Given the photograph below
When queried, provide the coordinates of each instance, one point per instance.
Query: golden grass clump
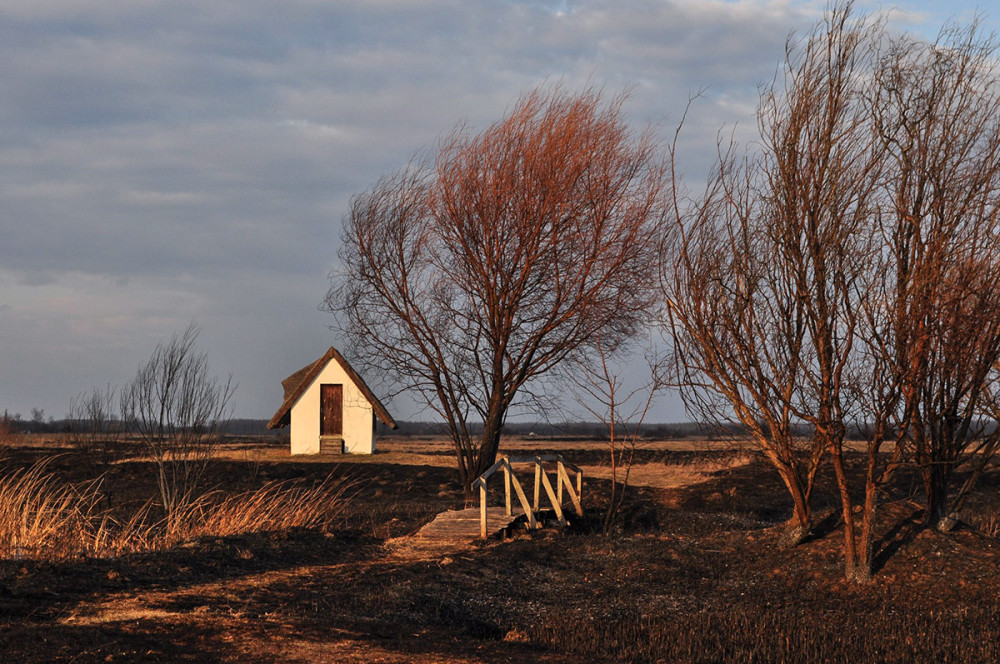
(276, 506)
(988, 525)
(39, 517)
(43, 517)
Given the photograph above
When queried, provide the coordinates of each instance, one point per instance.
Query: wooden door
(331, 410)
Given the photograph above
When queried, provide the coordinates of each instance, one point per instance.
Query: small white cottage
(330, 409)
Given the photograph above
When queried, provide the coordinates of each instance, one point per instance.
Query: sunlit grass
(276, 506)
(42, 517)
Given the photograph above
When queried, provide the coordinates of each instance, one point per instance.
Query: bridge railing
(564, 486)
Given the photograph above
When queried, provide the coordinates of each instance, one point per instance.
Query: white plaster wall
(359, 436)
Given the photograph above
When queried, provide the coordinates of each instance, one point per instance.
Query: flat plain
(694, 571)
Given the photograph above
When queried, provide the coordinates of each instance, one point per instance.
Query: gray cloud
(163, 160)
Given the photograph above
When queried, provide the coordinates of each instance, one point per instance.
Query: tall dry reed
(276, 506)
(43, 517)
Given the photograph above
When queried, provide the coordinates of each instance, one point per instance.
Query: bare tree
(601, 390)
(177, 410)
(769, 266)
(738, 333)
(95, 432)
(820, 168)
(847, 273)
(937, 113)
(469, 279)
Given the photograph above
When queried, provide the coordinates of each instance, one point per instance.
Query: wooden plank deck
(461, 526)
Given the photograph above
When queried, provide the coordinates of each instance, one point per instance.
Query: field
(694, 573)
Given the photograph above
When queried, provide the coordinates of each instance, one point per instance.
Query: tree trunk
(479, 461)
(847, 512)
(488, 447)
(939, 516)
(798, 527)
(865, 565)
(466, 468)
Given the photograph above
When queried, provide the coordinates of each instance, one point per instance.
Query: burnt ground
(693, 574)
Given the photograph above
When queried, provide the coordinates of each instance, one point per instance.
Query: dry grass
(988, 525)
(670, 476)
(43, 517)
(276, 506)
(40, 517)
(695, 574)
(518, 445)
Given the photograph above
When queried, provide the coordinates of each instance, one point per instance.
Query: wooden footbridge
(461, 526)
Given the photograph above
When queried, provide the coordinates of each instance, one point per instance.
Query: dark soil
(692, 575)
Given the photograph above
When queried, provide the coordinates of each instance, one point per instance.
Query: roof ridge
(299, 381)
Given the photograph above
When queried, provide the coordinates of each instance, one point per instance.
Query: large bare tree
(769, 264)
(467, 277)
(738, 335)
(821, 168)
(937, 114)
(843, 274)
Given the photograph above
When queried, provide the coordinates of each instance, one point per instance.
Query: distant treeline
(553, 430)
(655, 431)
(234, 427)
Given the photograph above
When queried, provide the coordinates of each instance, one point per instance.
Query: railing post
(561, 470)
(579, 490)
(552, 499)
(530, 513)
(577, 495)
(506, 485)
(482, 510)
(538, 482)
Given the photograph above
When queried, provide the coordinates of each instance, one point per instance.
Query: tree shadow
(826, 525)
(903, 532)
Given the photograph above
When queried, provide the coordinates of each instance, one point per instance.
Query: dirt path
(266, 617)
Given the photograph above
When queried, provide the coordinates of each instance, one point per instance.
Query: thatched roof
(297, 383)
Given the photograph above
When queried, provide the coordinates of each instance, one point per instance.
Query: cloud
(168, 159)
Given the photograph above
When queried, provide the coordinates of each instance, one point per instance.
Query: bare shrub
(600, 389)
(178, 411)
(8, 432)
(95, 426)
(96, 435)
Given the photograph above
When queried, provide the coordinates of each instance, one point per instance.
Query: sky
(170, 161)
